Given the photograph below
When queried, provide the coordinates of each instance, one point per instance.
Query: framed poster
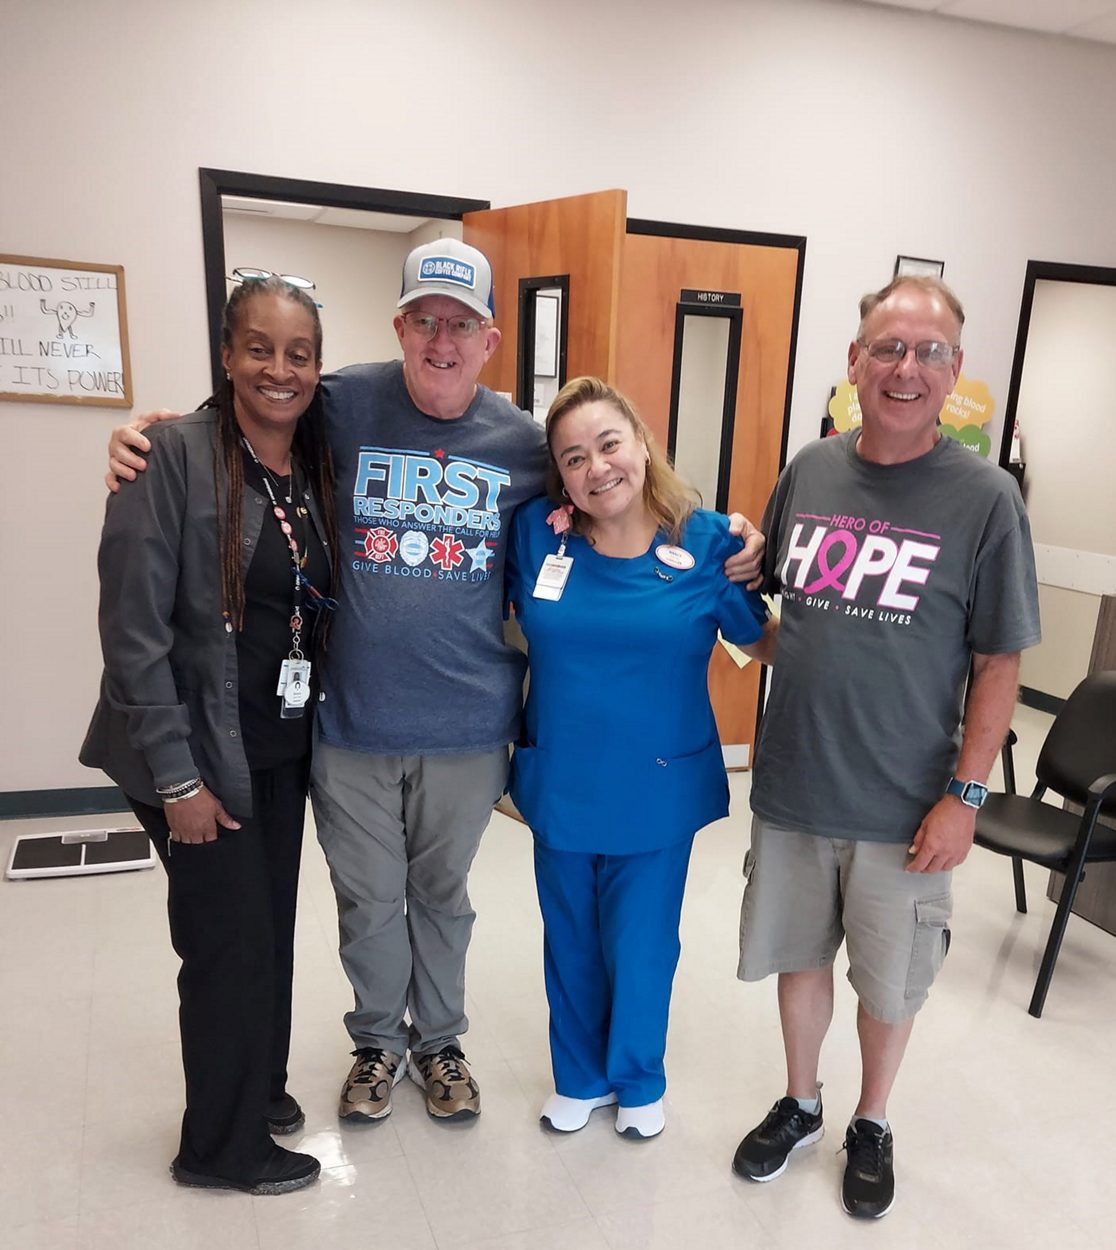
(918, 267)
(63, 333)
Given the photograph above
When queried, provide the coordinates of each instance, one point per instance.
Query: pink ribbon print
(831, 573)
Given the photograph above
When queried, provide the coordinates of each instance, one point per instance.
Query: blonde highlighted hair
(667, 497)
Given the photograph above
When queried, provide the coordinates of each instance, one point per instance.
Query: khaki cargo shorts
(806, 894)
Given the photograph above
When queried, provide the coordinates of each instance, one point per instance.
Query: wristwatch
(971, 793)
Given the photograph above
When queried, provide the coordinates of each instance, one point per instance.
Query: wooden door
(765, 271)
(579, 237)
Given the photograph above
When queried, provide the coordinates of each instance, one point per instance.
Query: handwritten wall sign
(63, 333)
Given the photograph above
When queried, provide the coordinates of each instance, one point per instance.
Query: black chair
(1077, 761)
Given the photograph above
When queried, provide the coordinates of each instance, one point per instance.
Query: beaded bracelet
(180, 790)
(196, 789)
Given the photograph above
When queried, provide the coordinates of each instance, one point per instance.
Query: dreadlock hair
(309, 447)
(668, 498)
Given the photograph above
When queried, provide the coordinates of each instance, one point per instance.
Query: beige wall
(1069, 620)
(872, 131)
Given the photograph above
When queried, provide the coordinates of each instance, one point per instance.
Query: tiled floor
(1002, 1122)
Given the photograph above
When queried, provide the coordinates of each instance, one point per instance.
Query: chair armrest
(1007, 761)
(1102, 787)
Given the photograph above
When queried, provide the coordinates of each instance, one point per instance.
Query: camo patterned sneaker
(366, 1094)
(451, 1092)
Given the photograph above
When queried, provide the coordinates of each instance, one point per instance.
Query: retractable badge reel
(294, 676)
(555, 569)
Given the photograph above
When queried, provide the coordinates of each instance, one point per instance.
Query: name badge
(674, 557)
(551, 580)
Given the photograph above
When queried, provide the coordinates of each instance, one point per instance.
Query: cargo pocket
(749, 863)
(745, 902)
(930, 944)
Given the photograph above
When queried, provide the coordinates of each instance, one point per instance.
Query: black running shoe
(764, 1153)
(284, 1116)
(868, 1190)
(283, 1172)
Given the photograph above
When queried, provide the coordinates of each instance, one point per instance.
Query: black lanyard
(292, 543)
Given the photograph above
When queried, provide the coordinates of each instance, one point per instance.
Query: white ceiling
(354, 218)
(1082, 19)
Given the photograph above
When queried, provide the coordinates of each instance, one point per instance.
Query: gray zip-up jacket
(168, 709)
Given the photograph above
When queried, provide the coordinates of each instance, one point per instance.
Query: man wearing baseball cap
(420, 694)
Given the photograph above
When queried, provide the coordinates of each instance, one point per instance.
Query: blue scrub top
(620, 752)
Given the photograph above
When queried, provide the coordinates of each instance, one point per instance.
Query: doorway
(298, 217)
(1066, 458)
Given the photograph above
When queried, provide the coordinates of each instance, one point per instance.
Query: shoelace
(370, 1060)
(866, 1155)
(449, 1061)
(780, 1117)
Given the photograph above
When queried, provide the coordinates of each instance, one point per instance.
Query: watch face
(974, 794)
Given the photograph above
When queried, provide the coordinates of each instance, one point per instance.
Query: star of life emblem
(447, 552)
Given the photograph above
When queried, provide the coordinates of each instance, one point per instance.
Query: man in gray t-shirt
(902, 559)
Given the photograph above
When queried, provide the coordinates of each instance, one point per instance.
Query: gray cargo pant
(399, 834)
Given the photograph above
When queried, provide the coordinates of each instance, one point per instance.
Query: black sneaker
(868, 1190)
(283, 1172)
(764, 1153)
(284, 1116)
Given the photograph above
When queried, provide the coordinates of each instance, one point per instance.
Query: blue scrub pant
(610, 947)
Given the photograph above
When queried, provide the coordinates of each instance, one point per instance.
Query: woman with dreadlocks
(215, 568)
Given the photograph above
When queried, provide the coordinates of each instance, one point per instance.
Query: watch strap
(971, 793)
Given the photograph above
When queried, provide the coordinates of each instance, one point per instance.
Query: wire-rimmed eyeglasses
(247, 274)
(930, 352)
(457, 327)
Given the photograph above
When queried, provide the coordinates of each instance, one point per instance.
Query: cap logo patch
(447, 269)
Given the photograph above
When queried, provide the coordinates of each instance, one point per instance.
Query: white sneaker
(567, 1115)
(640, 1122)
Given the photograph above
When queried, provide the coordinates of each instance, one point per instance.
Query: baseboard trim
(82, 801)
(1040, 700)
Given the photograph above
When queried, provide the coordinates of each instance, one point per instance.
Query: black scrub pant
(231, 905)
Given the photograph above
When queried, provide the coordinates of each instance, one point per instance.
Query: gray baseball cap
(449, 267)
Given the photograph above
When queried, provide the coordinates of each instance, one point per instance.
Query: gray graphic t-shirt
(416, 662)
(891, 576)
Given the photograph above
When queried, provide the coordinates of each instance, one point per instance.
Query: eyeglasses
(261, 275)
(931, 353)
(458, 328)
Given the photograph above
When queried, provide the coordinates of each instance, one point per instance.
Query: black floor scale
(79, 852)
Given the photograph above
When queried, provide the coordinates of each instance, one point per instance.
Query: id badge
(552, 577)
(296, 692)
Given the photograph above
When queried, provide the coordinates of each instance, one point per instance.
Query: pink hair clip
(559, 519)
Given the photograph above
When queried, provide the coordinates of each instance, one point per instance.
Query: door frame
(735, 317)
(214, 183)
(1040, 271)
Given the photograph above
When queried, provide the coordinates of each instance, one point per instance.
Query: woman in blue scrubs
(620, 763)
